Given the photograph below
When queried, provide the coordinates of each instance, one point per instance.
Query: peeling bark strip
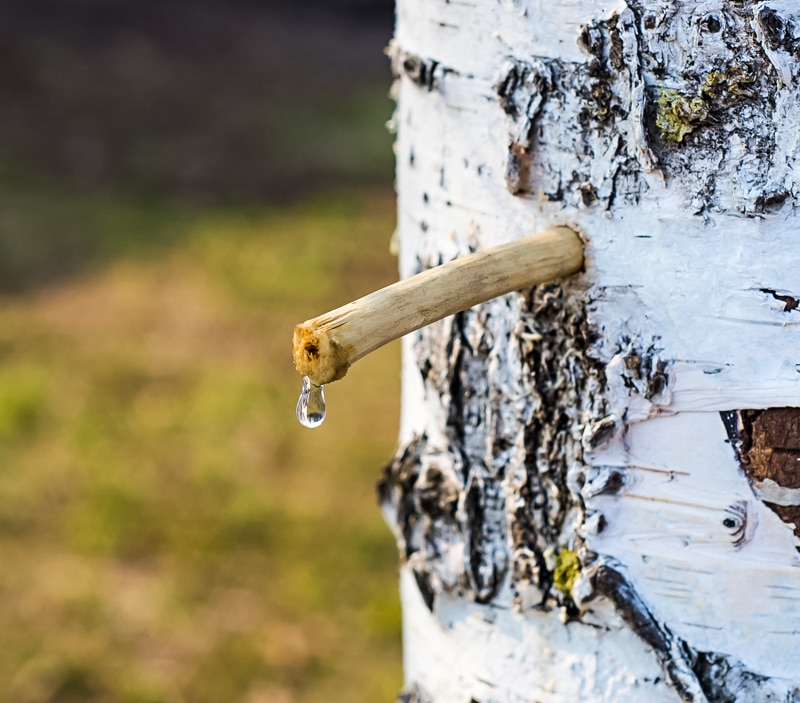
(596, 495)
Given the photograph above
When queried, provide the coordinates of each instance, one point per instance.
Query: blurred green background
(181, 183)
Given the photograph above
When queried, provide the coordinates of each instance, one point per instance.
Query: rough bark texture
(597, 490)
(497, 491)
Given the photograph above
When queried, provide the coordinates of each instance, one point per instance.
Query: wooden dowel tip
(317, 356)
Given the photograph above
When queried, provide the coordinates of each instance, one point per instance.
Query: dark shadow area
(119, 106)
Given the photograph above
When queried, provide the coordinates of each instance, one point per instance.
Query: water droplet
(311, 405)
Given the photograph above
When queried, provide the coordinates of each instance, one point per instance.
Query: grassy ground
(169, 532)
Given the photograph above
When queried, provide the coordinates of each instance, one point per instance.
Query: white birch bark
(640, 416)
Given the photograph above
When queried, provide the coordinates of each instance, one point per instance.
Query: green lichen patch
(568, 566)
(678, 114)
(726, 86)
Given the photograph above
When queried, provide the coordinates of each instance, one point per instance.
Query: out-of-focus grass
(168, 531)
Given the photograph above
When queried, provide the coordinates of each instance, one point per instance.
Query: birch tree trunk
(597, 492)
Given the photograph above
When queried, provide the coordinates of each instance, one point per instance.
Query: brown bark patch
(768, 445)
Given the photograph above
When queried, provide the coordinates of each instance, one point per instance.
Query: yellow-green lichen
(724, 86)
(568, 566)
(678, 114)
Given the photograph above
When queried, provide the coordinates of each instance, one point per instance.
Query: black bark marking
(720, 679)
(770, 202)
(396, 488)
(730, 419)
(710, 24)
(413, 693)
(419, 71)
(425, 369)
(615, 51)
(528, 565)
(607, 581)
(457, 348)
(724, 681)
(588, 194)
(736, 521)
(522, 92)
(518, 169)
(602, 40)
(423, 579)
(789, 301)
(422, 487)
(505, 91)
(613, 482)
(658, 381)
(778, 32)
(483, 568)
(424, 72)
(546, 458)
(645, 373)
(438, 496)
(598, 434)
